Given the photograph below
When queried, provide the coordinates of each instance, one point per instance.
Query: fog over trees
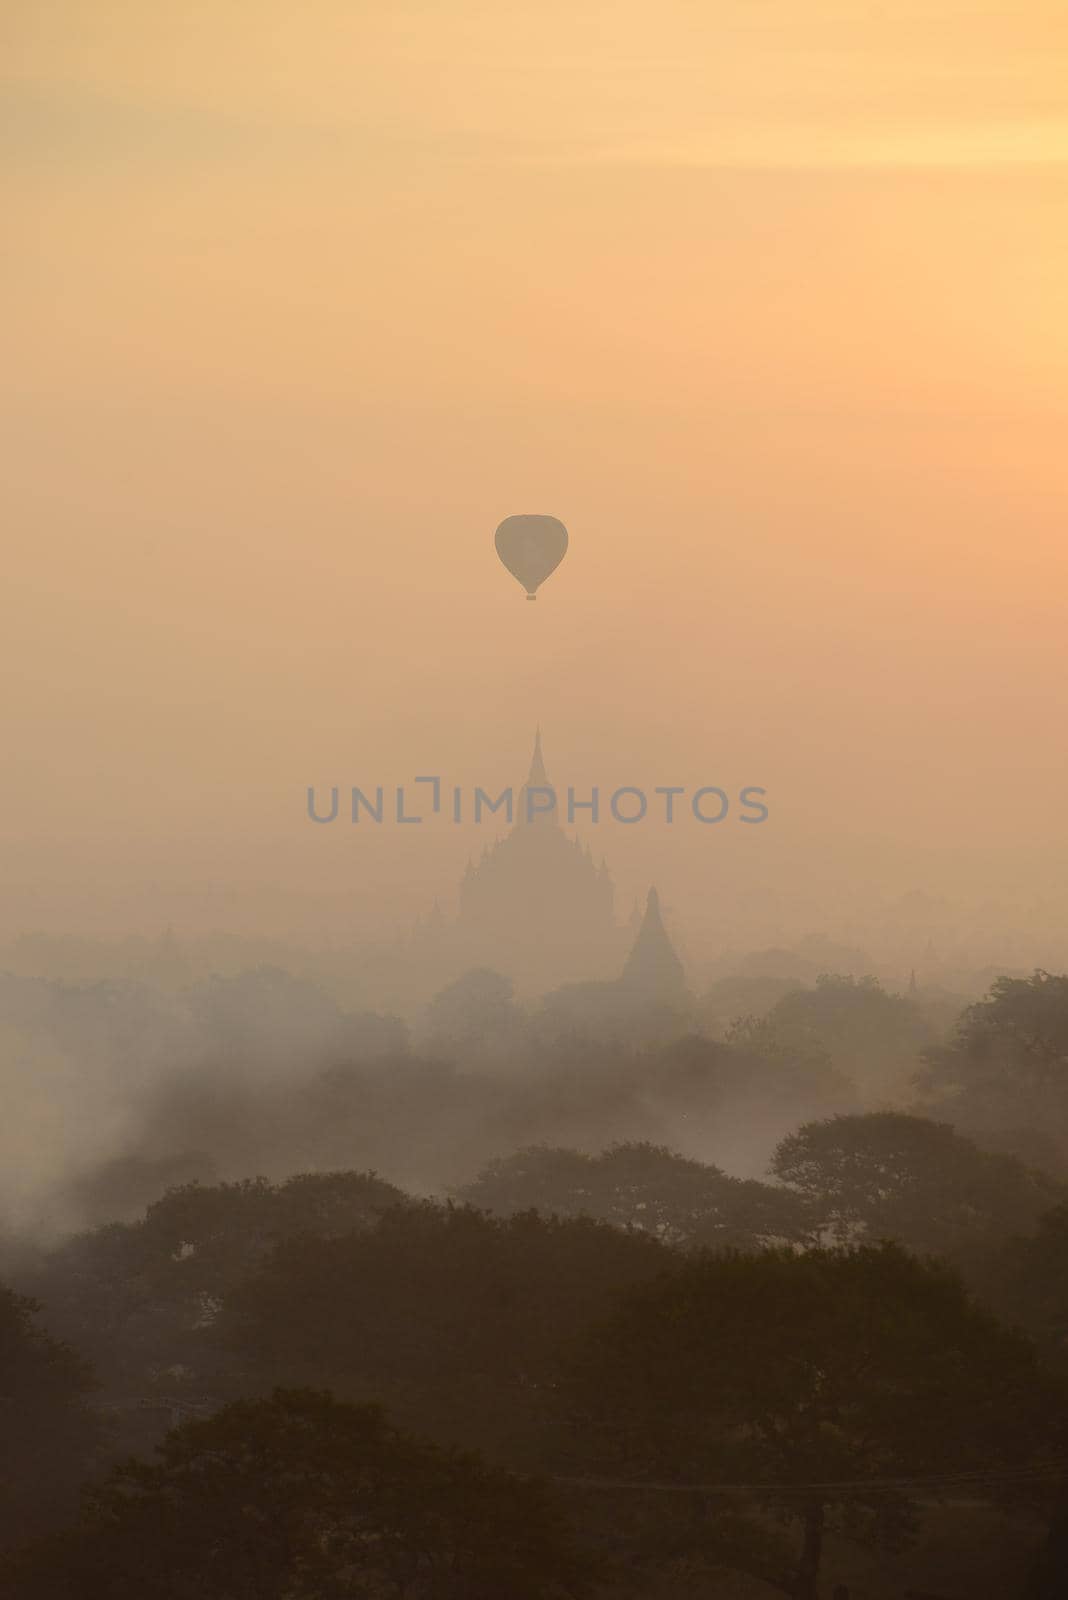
(635, 1287)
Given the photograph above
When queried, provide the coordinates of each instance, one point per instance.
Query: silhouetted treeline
(602, 1366)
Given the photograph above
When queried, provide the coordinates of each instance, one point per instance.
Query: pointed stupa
(537, 772)
(653, 968)
(537, 778)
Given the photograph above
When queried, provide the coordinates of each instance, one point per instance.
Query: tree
(300, 1497)
(728, 999)
(591, 1009)
(473, 1013)
(872, 1037)
(454, 1319)
(742, 1090)
(228, 1226)
(1048, 1577)
(48, 1434)
(641, 1186)
(134, 1295)
(1026, 1281)
(817, 1376)
(893, 1176)
(1007, 1066)
(267, 1016)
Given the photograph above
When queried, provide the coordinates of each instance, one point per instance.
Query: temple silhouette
(652, 970)
(536, 906)
(539, 910)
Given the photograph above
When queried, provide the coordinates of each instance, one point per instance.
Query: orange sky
(764, 300)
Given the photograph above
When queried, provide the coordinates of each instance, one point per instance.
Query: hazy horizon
(765, 305)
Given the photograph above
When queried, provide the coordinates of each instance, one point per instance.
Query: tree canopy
(132, 1294)
(827, 1377)
(873, 1038)
(642, 1186)
(1006, 1069)
(888, 1175)
(456, 1320)
(301, 1497)
(48, 1435)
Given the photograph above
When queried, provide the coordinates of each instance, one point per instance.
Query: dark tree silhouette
(1026, 1281)
(821, 1374)
(48, 1435)
(641, 1186)
(300, 1497)
(134, 1295)
(455, 1319)
(1006, 1071)
(892, 1176)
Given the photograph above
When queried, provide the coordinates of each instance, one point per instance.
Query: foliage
(300, 1497)
(48, 1435)
(454, 1318)
(132, 1294)
(1026, 1281)
(642, 1186)
(741, 995)
(1007, 1066)
(805, 1371)
(475, 1011)
(872, 1037)
(887, 1175)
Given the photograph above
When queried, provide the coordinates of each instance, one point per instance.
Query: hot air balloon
(531, 547)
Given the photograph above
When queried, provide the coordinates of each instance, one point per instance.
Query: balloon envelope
(531, 547)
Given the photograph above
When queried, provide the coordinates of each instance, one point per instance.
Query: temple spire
(537, 778)
(537, 775)
(653, 968)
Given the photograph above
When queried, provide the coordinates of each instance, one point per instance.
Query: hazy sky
(765, 299)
